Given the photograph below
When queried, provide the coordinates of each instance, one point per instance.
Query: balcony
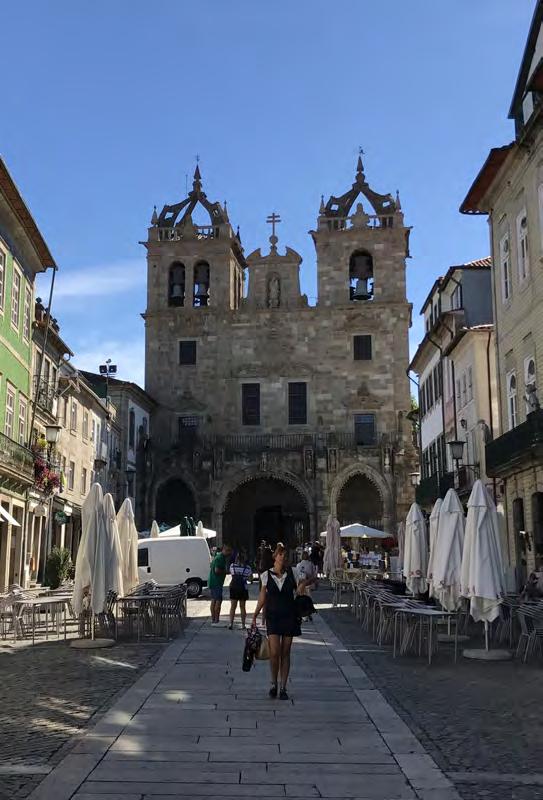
(258, 442)
(46, 394)
(517, 449)
(429, 489)
(16, 460)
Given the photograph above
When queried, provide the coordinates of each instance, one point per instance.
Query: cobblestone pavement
(49, 693)
(472, 717)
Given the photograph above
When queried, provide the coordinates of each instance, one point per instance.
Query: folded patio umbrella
(401, 542)
(155, 530)
(114, 574)
(332, 552)
(447, 558)
(482, 575)
(90, 564)
(128, 537)
(434, 526)
(415, 563)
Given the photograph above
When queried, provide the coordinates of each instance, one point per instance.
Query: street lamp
(415, 478)
(52, 434)
(456, 447)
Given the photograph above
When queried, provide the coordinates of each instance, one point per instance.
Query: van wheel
(194, 588)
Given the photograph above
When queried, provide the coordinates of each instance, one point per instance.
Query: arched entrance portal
(359, 500)
(265, 508)
(174, 501)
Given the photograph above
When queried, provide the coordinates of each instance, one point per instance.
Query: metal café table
(48, 603)
(422, 615)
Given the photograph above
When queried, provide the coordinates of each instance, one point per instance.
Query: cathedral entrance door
(265, 508)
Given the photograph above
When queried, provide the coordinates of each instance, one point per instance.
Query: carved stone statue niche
(274, 292)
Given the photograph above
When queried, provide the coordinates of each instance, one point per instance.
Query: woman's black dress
(281, 617)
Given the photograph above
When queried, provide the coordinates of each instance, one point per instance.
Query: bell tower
(361, 254)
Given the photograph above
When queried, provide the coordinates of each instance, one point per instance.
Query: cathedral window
(201, 285)
(187, 352)
(176, 285)
(250, 403)
(362, 348)
(365, 433)
(361, 276)
(297, 403)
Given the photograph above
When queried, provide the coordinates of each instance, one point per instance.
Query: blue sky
(105, 105)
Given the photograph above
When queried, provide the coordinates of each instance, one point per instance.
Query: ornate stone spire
(154, 218)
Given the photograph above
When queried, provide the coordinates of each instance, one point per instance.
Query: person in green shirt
(217, 574)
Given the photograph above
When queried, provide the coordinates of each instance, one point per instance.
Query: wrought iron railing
(16, 457)
(45, 393)
(258, 442)
(432, 487)
(517, 445)
(176, 234)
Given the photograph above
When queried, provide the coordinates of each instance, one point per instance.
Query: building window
(297, 404)
(364, 429)
(529, 381)
(2, 278)
(93, 430)
(22, 420)
(522, 246)
(83, 481)
(188, 426)
(187, 352)
(15, 298)
(505, 266)
(73, 417)
(456, 298)
(10, 411)
(71, 475)
(131, 428)
(512, 400)
(470, 383)
(361, 276)
(464, 390)
(250, 404)
(201, 285)
(362, 348)
(85, 424)
(26, 314)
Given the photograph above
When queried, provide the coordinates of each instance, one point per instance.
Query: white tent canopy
(204, 533)
(359, 531)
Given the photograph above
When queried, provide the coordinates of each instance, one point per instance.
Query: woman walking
(240, 571)
(280, 584)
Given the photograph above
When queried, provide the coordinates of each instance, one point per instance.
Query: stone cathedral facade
(273, 413)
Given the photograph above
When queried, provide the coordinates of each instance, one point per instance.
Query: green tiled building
(23, 253)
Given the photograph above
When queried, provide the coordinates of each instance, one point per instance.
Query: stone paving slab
(200, 727)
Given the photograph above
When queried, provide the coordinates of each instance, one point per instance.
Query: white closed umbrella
(415, 563)
(482, 565)
(332, 551)
(447, 557)
(114, 576)
(128, 536)
(155, 530)
(434, 526)
(90, 563)
(200, 530)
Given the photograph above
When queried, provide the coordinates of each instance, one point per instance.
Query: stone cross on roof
(273, 219)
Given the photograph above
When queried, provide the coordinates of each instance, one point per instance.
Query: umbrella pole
(486, 636)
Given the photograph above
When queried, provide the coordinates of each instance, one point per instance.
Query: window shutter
(297, 403)
(537, 520)
(362, 348)
(250, 404)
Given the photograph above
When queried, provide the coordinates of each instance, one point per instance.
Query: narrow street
(195, 725)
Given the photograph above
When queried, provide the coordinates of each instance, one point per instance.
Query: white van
(175, 559)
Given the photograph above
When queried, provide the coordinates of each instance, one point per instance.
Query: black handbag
(304, 606)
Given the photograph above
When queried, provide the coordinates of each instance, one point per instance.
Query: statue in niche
(274, 292)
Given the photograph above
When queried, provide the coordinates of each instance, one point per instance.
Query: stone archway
(361, 494)
(265, 507)
(174, 500)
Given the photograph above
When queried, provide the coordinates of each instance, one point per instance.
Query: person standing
(280, 585)
(217, 574)
(241, 571)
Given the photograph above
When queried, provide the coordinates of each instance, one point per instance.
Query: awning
(7, 516)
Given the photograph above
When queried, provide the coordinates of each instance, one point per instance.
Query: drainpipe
(453, 374)
(490, 416)
(419, 437)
